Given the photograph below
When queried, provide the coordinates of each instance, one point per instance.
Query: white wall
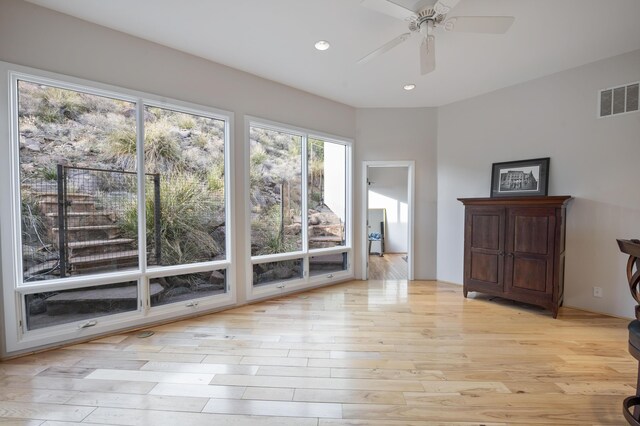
(403, 134)
(595, 160)
(388, 190)
(335, 173)
(37, 37)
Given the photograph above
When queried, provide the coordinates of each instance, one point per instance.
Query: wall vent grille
(619, 100)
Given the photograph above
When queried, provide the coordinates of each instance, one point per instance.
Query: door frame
(364, 253)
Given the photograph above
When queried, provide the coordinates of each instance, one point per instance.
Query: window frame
(14, 289)
(307, 281)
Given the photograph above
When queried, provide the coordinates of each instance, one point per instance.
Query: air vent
(619, 100)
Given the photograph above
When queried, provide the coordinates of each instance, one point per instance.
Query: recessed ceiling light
(408, 87)
(322, 45)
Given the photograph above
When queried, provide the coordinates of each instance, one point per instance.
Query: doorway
(387, 218)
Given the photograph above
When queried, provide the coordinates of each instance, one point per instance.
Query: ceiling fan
(425, 19)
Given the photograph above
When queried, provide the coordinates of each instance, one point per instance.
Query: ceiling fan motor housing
(425, 21)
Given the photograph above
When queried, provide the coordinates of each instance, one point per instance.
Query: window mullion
(143, 289)
(305, 193)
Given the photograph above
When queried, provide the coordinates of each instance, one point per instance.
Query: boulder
(216, 277)
(277, 274)
(37, 306)
(209, 287)
(293, 229)
(177, 291)
(314, 219)
(32, 145)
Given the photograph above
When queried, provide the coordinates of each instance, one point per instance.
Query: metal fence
(91, 216)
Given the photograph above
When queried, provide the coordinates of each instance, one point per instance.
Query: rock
(37, 306)
(33, 253)
(284, 273)
(314, 220)
(32, 145)
(216, 277)
(277, 274)
(209, 287)
(177, 291)
(28, 168)
(293, 229)
(218, 236)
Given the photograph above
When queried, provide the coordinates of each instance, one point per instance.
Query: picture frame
(521, 178)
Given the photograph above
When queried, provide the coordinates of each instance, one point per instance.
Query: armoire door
(529, 251)
(484, 248)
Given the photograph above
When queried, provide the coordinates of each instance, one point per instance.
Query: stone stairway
(325, 235)
(93, 241)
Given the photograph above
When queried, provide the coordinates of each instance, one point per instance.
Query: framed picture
(520, 178)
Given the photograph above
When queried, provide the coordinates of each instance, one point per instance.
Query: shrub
(161, 148)
(56, 105)
(215, 179)
(184, 121)
(200, 140)
(34, 228)
(48, 172)
(189, 214)
(268, 235)
(121, 147)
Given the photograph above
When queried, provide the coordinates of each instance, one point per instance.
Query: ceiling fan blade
(479, 24)
(389, 8)
(427, 55)
(442, 7)
(384, 48)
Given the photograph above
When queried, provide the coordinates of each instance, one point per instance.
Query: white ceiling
(274, 39)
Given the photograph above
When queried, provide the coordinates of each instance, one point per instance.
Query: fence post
(281, 235)
(156, 216)
(62, 249)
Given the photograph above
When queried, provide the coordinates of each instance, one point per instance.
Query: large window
(291, 244)
(120, 208)
(327, 186)
(184, 157)
(75, 192)
(275, 195)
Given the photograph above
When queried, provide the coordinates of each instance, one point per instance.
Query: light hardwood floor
(361, 353)
(391, 266)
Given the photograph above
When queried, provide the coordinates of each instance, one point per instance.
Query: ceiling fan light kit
(425, 21)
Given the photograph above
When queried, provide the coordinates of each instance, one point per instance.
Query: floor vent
(619, 100)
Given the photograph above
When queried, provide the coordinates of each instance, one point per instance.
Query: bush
(189, 214)
(185, 121)
(121, 148)
(215, 179)
(48, 172)
(34, 228)
(268, 235)
(57, 105)
(161, 148)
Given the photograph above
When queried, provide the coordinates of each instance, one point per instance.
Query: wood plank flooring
(391, 266)
(381, 353)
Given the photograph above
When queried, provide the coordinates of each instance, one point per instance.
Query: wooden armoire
(514, 248)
